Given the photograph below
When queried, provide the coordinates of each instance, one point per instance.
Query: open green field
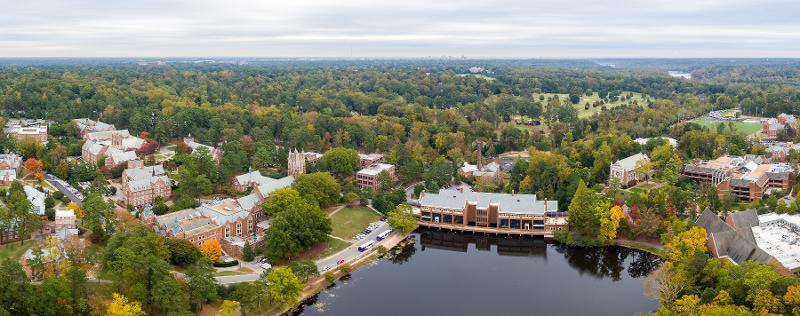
(350, 221)
(582, 112)
(745, 128)
(13, 250)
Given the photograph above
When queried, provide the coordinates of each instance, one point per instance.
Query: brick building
(368, 177)
(141, 185)
(746, 178)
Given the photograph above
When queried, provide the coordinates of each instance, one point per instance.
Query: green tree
(304, 269)
(98, 216)
(319, 186)
(20, 215)
(182, 252)
(280, 200)
(581, 214)
(285, 287)
(297, 228)
(247, 252)
(234, 160)
(201, 284)
(402, 219)
(16, 292)
(343, 162)
(440, 172)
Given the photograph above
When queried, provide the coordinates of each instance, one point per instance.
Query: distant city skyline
(401, 29)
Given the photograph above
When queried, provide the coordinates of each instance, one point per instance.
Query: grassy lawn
(745, 128)
(242, 270)
(14, 250)
(350, 221)
(582, 112)
(333, 246)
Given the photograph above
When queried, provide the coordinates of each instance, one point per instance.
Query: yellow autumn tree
(121, 306)
(211, 250)
(686, 244)
(609, 221)
(792, 298)
(229, 308)
(75, 208)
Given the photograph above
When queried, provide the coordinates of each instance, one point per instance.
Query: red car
(340, 262)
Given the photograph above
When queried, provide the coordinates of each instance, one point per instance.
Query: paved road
(62, 186)
(351, 252)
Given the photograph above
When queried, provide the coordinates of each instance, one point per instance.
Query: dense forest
(428, 117)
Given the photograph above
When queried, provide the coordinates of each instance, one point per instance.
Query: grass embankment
(350, 221)
(14, 250)
(240, 271)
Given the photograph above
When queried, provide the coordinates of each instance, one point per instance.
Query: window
(227, 231)
(250, 224)
(239, 228)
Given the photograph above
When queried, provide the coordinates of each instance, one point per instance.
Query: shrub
(330, 277)
(226, 264)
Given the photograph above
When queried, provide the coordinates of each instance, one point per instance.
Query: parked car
(326, 268)
(341, 261)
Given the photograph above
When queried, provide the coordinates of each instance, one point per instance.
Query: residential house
(36, 198)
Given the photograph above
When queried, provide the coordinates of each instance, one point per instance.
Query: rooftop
(779, 235)
(507, 203)
(375, 169)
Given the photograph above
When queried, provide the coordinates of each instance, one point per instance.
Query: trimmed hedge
(226, 264)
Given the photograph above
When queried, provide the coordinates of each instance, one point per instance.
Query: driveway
(63, 186)
(351, 253)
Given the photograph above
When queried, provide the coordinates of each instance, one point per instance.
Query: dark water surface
(448, 273)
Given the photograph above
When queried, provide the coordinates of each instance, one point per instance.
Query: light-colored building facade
(296, 163)
(86, 126)
(748, 177)
(36, 198)
(368, 177)
(65, 219)
(27, 129)
(625, 169)
(118, 146)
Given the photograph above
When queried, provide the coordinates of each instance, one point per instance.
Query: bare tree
(665, 284)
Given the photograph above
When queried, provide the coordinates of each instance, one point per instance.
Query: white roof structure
(506, 203)
(642, 141)
(89, 125)
(140, 179)
(8, 175)
(37, 199)
(65, 214)
(269, 184)
(630, 162)
(779, 236)
(375, 169)
(119, 156)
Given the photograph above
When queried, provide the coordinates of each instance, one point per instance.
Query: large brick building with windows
(141, 185)
(747, 178)
(368, 177)
(227, 221)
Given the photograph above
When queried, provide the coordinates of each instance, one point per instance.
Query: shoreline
(317, 285)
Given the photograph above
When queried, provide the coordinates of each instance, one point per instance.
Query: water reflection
(490, 275)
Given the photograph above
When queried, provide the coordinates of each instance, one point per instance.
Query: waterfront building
(368, 177)
(625, 169)
(462, 209)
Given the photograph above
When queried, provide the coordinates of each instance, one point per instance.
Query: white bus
(366, 245)
(384, 234)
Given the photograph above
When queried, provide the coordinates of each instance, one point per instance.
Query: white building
(624, 169)
(779, 236)
(37, 199)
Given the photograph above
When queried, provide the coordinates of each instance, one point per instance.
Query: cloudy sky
(400, 28)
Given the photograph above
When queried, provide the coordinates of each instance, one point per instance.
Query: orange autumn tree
(211, 250)
(34, 166)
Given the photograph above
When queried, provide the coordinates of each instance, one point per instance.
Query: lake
(447, 273)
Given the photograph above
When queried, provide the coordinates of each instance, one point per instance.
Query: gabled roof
(629, 163)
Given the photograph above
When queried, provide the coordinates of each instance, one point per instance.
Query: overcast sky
(400, 28)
